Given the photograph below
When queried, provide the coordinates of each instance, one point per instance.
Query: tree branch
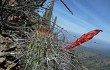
(66, 6)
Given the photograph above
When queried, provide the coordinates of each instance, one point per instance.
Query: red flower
(84, 38)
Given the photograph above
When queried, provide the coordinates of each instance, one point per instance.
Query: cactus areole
(84, 38)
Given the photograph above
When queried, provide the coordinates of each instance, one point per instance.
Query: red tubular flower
(84, 38)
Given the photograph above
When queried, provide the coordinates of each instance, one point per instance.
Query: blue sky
(88, 15)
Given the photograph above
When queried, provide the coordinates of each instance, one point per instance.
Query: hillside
(92, 59)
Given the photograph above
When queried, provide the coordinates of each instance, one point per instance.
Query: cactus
(31, 49)
(48, 13)
(54, 23)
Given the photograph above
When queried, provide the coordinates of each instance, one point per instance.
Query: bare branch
(66, 6)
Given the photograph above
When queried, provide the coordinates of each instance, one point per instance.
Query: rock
(3, 53)
(11, 66)
(5, 43)
(2, 60)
